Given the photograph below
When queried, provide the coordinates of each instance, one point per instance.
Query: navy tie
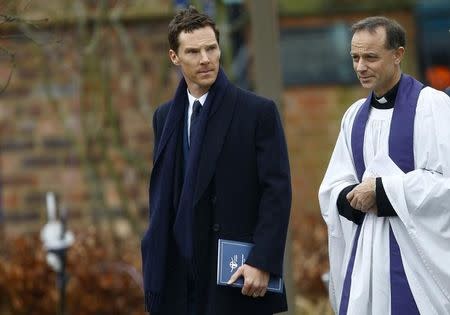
(196, 109)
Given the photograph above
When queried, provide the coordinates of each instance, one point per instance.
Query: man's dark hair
(188, 20)
(395, 34)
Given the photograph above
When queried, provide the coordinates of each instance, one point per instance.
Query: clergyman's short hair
(395, 34)
(188, 20)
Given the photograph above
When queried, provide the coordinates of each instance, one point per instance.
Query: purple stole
(401, 151)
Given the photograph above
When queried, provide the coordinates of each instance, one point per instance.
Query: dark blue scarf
(154, 245)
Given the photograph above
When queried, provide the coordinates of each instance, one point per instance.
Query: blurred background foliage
(103, 279)
(322, 6)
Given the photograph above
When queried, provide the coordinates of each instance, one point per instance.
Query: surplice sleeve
(421, 198)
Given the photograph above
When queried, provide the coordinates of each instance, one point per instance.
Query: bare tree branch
(12, 18)
(26, 5)
(13, 65)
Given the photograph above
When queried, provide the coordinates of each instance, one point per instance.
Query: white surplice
(421, 199)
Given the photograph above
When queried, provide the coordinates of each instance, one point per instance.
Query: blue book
(230, 256)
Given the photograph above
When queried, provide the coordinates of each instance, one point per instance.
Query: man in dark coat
(220, 171)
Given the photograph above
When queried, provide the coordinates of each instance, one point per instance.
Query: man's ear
(398, 55)
(174, 57)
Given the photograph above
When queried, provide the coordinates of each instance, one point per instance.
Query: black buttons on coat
(216, 227)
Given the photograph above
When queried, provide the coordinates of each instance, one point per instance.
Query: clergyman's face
(198, 56)
(377, 67)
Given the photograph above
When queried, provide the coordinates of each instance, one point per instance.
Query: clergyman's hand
(363, 197)
(255, 280)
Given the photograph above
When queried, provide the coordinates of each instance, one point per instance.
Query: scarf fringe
(194, 271)
(152, 302)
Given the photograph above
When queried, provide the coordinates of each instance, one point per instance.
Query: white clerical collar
(382, 100)
(192, 99)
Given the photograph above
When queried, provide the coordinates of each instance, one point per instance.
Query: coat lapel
(178, 175)
(222, 108)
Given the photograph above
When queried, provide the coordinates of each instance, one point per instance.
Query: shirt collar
(192, 99)
(387, 100)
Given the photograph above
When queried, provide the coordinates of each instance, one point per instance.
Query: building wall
(75, 119)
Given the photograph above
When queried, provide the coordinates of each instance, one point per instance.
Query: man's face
(377, 67)
(198, 56)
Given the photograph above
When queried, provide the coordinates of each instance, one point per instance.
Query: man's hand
(255, 280)
(363, 197)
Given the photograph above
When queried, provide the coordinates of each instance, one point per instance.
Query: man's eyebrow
(364, 54)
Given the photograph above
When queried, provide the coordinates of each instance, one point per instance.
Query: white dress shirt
(192, 99)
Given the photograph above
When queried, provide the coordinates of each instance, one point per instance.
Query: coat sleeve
(156, 134)
(275, 192)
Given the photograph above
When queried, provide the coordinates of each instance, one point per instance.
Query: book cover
(230, 256)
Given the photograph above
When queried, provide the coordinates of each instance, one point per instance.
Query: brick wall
(76, 120)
